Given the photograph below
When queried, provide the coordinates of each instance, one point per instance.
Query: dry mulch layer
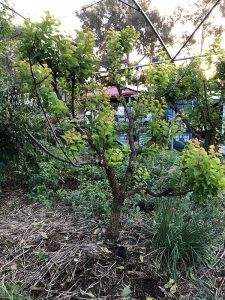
(56, 254)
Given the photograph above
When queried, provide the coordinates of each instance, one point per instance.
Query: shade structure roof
(113, 92)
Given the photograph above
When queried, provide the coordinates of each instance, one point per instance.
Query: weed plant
(44, 183)
(11, 291)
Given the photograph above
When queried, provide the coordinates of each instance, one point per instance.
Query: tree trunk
(114, 224)
(210, 136)
(117, 204)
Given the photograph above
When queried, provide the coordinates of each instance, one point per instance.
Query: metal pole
(152, 27)
(193, 33)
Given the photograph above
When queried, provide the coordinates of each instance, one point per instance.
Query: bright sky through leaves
(65, 9)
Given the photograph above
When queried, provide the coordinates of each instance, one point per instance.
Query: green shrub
(11, 291)
(182, 236)
(2, 173)
(49, 174)
(92, 197)
(42, 194)
(22, 166)
(43, 184)
(203, 172)
(91, 173)
(163, 169)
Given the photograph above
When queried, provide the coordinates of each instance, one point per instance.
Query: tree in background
(115, 15)
(189, 18)
(109, 14)
(202, 97)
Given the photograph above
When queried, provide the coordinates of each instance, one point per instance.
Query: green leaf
(87, 294)
(120, 267)
(126, 291)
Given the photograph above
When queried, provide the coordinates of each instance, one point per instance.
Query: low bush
(44, 183)
(204, 172)
(162, 168)
(92, 198)
(2, 174)
(183, 236)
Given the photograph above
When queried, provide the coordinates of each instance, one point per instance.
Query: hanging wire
(13, 10)
(88, 6)
(140, 9)
(196, 29)
(159, 62)
(131, 6)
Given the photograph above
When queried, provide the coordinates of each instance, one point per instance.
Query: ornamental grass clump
(182, 237)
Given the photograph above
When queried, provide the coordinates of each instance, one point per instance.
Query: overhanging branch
(44, 149)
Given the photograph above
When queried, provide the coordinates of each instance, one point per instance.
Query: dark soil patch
(70, 183)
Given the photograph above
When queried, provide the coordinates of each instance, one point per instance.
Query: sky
(65, 10)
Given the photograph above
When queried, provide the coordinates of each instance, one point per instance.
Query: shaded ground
(56, 254)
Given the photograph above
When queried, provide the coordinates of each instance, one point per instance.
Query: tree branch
(73, 95)
(54, 84)
(38, 95)
(184, 120)
(44, 149)
(166, 193)
(133, 156)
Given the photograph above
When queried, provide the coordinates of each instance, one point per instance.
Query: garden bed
(57, 254)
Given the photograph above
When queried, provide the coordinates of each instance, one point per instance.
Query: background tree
(9, 90)
(17, 111)
(202, 97)
(113, 14)
(107, 15)
(189, 17)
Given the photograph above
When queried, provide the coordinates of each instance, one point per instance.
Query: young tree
(59, 65)
(61, 75)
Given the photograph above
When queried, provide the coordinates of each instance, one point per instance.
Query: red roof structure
(113, 92)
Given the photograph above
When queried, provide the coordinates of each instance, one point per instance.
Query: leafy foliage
(91, 198)
(44, 183)
(203, 172)
(10, 291)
